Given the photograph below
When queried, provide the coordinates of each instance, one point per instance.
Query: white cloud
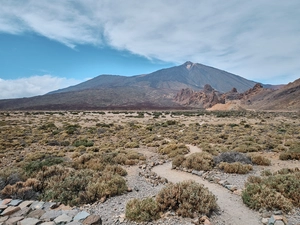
(256, 39)
(32, 86)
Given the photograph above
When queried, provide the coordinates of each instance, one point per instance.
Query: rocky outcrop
(200, 99)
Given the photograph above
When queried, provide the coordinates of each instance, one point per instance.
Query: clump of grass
(260, 160)
(173, 150)
(273, 192)
(292, 154)
(83, 142)
(198, 161)
(236, 167)
(144, 210)
(187, 199)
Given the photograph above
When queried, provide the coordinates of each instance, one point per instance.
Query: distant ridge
(156, 90)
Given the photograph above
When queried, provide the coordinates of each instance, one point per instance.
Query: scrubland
(81, 157)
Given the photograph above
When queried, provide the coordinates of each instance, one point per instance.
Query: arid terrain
(245, 163)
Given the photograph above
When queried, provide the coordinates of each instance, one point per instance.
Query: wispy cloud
(32, 86)
(256, 39)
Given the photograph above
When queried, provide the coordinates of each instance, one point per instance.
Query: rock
(63, 219)
(25, 204)
(51, 215)
(37, 205)
(231, 187)
(74, 223)
(103, 199)
(136, 188)
(48, 223)
(13, 220)
(2, 207)
(93, 220)
(22, 212)
(63, 207)
(265, 221)
(81, 216)
(50, 205)
(70, 213)
(3, 219)
(238, 192)
(266, 214)
(15, 202)
(278, 212)
(129, 189)
(29, 221)
(6, 201)
(279, 222)
(36, 213)
(10, 210)
(207, 222)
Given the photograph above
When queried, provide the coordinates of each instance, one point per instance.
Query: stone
(103, 199)
(50, 205)
(13, 220)
(3, 219)
(81, 216)
(15, 202)
(70, 213)
(136, 188)
(37, 205)
(207, 222)
(276, 217)
(265, 221)
(36, 213)
(63, 207)
(266, 214)
(129, 189)
(6, 201)
(271, 220)
(21, 212)
(278, 212)
(238, 192)
(29, 221)
(48, 223)
(122, 218)
(279, 222)
(25, 204)
(2, 207)
(10, 210)
(93, 220)
(231, 187)
(74, 223)
(51, 215)
(63, 219)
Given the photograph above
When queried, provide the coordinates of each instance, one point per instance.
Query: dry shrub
(11, 176)
(132, 145)
(187, 199)
(277, 191)
(235, 167)
(260, 160)
(292, 154)
(22, 190)
(198, 161)
(144, 210)
(173, 150)
(177, 161)
(115, 169)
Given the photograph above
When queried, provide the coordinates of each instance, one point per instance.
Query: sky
(48, 45)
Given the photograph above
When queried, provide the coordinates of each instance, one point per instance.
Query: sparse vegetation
(236, 167)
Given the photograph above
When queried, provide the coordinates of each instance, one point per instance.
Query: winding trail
(234, 212)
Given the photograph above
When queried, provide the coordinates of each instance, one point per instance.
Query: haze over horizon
(45, 46)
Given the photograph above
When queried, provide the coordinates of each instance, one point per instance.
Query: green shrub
(235, 167)
(35, 166)
(292, 154)
(144, 210)
(186, 199)
(83, 142)
(177, 161)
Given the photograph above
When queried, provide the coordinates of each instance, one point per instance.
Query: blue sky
(47, 45)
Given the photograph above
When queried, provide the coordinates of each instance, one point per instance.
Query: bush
(260, 160)
(84, 143)
(235, 167)
(142, 210)
(278, 191)
(173, 150)
(292, 154)
(231, 157)
(186, 199)
(198, 161)
(36, 166)
(177, 161)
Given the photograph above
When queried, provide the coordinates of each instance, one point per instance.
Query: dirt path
(234, 212)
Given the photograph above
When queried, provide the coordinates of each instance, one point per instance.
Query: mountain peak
(189, 64)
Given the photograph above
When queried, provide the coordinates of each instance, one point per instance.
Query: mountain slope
(285, 98)
(188, 75)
